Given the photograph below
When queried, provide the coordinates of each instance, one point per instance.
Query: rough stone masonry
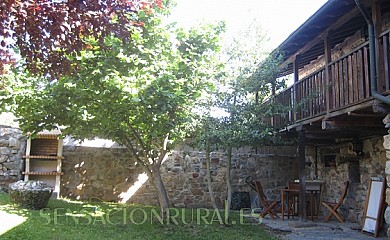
(12, 147)
(106, 173)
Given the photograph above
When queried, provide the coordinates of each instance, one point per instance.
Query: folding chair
(292, 199)
(269, 206)
(332, 206)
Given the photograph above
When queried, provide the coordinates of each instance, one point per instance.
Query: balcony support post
(302, 174)
(328, 77)
(295, 90)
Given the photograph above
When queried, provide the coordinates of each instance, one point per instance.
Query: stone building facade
(386, 145)
(339, 163)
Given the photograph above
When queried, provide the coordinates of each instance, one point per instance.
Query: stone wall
(96, 173)
(106, 173)
(349, 166)
(12, 147)
(386, 144)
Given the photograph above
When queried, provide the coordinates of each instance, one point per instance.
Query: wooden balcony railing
(348, 84)
(284, 98)
(349, 79)
(310, 96)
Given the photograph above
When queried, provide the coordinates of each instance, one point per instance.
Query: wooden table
(314, 193)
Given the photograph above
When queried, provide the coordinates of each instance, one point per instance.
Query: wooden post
(273, 94)
(27, 163)
(377, 21)
(295, 93)
(328, 59)
(302, 175)
(59, 166)
(292, 111)
(316, 163)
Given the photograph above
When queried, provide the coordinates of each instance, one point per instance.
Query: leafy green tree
(245, 99)
(230, 135)
(207, 138)
(6, 83)
(250, 76)
(141, 94)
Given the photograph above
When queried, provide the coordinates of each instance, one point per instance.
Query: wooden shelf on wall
(43, 157)
(43, 173)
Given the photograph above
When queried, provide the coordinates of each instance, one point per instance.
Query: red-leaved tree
(45, 31)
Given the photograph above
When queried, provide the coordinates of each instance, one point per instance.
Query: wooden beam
(27, 163)
(305, 122)
(368, 102)
(328, 59)
(317, 142)
(330, 135)
(295, 93)
(363, 114)
(322, 35)
(347, 132)
(309, 128)
(329, 125)
(316, 132)
(317, 123)
(356, 122)
(377, 22)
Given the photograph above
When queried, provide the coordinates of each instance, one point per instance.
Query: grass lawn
(63, 219)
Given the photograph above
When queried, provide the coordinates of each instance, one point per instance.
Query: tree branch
(137, 136)
(130, 148)
(164, 151)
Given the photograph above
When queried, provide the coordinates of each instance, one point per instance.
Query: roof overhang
(337, 19)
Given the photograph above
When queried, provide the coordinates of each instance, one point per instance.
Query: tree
(46, 31)
(230, 135)
(207, 138)
(6, 83)
(252, 73)
(250, 76)
(141, 94)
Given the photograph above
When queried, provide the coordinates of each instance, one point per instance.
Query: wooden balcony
(341, 88)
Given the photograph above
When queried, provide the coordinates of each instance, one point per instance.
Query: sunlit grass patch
(64, 219)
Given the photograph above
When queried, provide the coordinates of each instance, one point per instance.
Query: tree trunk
(153, 172)
(228, 184)
(161, 191)
(210, 187)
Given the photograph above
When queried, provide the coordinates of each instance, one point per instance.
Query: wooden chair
(269, 206)
(292, 199)
(332, 206)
